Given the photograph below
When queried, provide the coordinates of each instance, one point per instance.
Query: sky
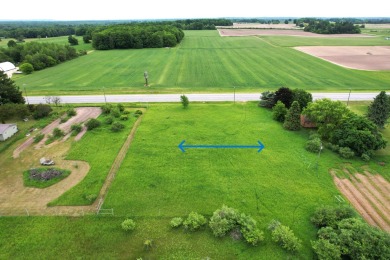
(179, 9)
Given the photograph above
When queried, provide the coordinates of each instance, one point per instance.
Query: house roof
(6, 66)
(4, 127)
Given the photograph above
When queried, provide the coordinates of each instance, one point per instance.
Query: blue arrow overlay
(183, 146)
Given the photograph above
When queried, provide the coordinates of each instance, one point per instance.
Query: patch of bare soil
(83, 114)
(354, 57)
(261, 26)
(369, 196)
(290, 32)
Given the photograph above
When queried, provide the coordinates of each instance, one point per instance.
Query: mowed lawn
(158, 181)
(205, 62)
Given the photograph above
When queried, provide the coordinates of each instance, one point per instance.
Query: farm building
(7, 130)
(8, 68)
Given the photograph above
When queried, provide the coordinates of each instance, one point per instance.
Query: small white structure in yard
(8, 68)
(7, 130)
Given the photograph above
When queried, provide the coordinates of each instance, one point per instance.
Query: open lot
(156, 181)
(356, 57)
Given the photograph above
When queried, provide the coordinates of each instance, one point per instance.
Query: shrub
(279, 111)
(329, 216)
(108, 120)
(194, 221)
(91, 197)
(26, 68)
(223, 221)
(138, 112)
(285, 237)
(64, 119)
(253, 236)
(303, 97)
(116, 127)
(71, 112)
(115, 113)
(176, 222)
(121, 107)
(365, 157)
(128, 225)
(76, 128)
(92, 123)
(346, 152)
(267, 99)
(184, 101)
(106, 108)
(124, 117)
(249, 230)
(41, 111)
(126, 112)
(313, 145)
(38, 137)
(57, 133)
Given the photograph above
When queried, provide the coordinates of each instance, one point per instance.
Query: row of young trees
(38, 55)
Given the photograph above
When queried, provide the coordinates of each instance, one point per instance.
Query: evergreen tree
(379, 109)
(292, 121)
(285, 95)
(9, 92)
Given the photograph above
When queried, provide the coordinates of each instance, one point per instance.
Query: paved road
(143, 98)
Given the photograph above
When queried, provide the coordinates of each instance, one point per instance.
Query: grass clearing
(157, 182)
(205, 62)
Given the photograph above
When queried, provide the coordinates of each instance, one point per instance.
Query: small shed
(8, 68)
(7, 130)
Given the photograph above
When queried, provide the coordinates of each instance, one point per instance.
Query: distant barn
(8, 68)
(7, 130)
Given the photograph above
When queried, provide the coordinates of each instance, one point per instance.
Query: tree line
(35, 29)
(137, 37)
(327, 27)
(37, 55)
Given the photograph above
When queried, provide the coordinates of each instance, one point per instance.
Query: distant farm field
(206, 62)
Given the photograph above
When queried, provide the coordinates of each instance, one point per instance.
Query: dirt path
(15, 199)
(83, 114)
(369, 194)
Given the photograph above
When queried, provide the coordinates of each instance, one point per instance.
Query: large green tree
(9, 92)
(379, 109)
(327, 115)
(359, 134)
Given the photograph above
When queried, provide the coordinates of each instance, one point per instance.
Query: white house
(8, 68)
(7, 130)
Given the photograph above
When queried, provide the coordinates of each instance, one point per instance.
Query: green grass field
(157, 182)
(206, 62)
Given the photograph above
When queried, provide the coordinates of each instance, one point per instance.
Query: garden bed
(43, 177)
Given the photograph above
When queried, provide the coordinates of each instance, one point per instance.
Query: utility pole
(234, 97)
(25, 92)
(349, 96)
(146, 78)
(104, 93)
